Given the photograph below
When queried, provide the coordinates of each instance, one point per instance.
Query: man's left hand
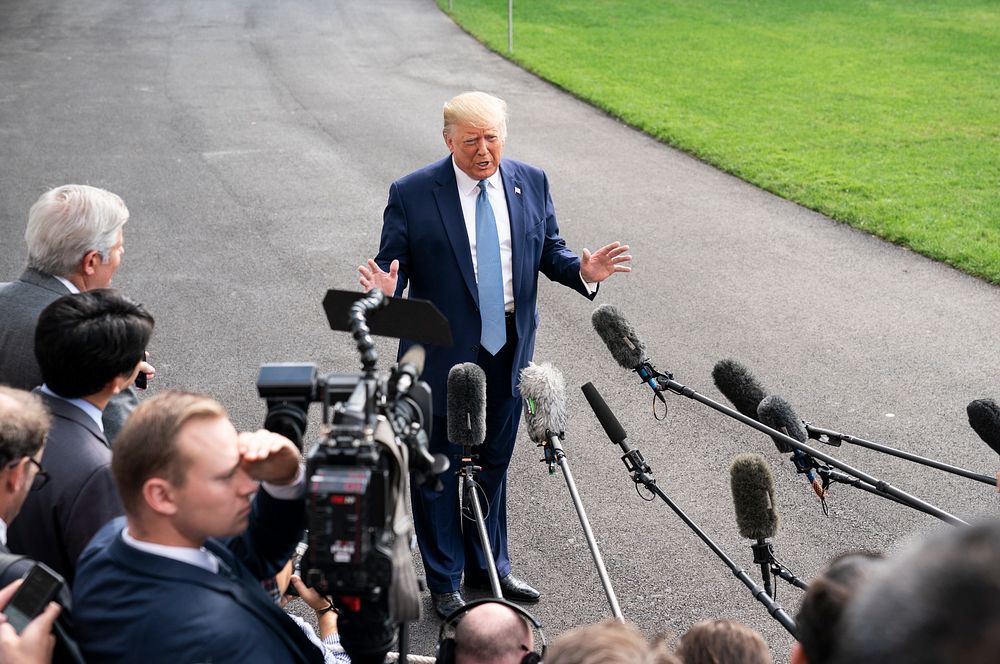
(598, 266)
(268, 457)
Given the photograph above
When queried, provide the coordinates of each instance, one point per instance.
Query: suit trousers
(449, 542)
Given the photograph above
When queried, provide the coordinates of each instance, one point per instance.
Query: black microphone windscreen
(611, 425)
(739, 386)
(543, 385)
(984, 418)
(466, 404)
(753, 497)
(778, 414)
(415, 358)
(618, 336)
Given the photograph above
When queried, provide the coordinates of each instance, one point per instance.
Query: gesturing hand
(373, 276)
(598, 266)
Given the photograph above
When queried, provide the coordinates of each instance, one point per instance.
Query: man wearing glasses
(89, 346)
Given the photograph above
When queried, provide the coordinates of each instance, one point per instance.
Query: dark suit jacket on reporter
(424, 228)
(56, 522)
(133, 606)
(21, 303)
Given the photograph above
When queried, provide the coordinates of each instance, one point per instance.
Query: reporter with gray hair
(75, 238)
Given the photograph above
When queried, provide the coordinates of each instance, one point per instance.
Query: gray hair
(67, 222)
(478, 109)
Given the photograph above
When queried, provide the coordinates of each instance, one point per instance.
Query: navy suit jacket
(56, 522)
(424, 228)
(133, 606)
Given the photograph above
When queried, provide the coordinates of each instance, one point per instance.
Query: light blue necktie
(491, 306)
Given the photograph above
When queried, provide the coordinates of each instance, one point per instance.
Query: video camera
(375, 437)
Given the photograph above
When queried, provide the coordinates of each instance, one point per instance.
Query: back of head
(937, 601)
(492, 634)
(84, 340)
(608, 642)
(67, 222)
(147, 447)
(718, 641)
(825, 602)
(24, 423)
(478, 109)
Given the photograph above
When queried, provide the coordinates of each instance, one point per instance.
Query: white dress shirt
(468, 192)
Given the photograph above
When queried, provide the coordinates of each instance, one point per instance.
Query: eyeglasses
(41, 477)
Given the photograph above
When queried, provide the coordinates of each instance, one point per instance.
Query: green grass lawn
(883, 115)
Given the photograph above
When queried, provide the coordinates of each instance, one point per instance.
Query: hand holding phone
(146, 372)
(39, 587)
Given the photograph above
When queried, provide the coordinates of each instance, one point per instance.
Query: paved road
(254, 143)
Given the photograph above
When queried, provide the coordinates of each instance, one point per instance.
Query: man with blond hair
(471, 233)
(177, 579)
(75, 238)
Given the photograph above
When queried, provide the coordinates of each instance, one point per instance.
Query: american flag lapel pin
(517, 190)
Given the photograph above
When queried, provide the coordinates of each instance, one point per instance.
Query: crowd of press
(170, 535)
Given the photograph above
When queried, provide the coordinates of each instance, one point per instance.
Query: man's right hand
(34, 645)
(372, 276)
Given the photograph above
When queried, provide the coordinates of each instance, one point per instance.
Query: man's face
(105, 270)
(215, 499)
(477, 151)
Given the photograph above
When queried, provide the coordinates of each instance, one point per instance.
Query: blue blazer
(424, 228)
(133, 606)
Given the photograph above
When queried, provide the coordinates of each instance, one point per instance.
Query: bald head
(492, 634)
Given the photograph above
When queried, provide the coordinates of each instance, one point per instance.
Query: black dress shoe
(513, 588)
(446, 603)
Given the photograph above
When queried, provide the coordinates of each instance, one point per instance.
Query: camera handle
(467, 472)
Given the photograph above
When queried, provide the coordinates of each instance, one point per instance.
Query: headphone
(446, 644)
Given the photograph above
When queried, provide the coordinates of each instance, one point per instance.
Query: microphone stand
(467, 473)
(642, 474)
(554, 454)
(763, 555)
(880, 487)
(828, 436)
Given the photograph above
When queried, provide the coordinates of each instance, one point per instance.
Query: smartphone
(141, 379)
(40, 586)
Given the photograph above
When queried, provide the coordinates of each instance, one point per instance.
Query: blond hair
(146, 447)
(478, 109)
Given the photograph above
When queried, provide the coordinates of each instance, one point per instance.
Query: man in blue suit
(471, 234)
(178, 578)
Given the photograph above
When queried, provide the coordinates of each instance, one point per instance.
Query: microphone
(625, 346)
(739, 386)
(753, 499)
(608, 421)
(408, 371)
(642, 474)
(544, 392)
(984, 418)
(777, 413)
(467, 404)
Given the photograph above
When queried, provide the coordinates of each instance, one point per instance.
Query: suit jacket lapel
(518, 223)
(450, 210)
(68, 411)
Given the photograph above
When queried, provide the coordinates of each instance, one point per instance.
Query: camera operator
(196, 541)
